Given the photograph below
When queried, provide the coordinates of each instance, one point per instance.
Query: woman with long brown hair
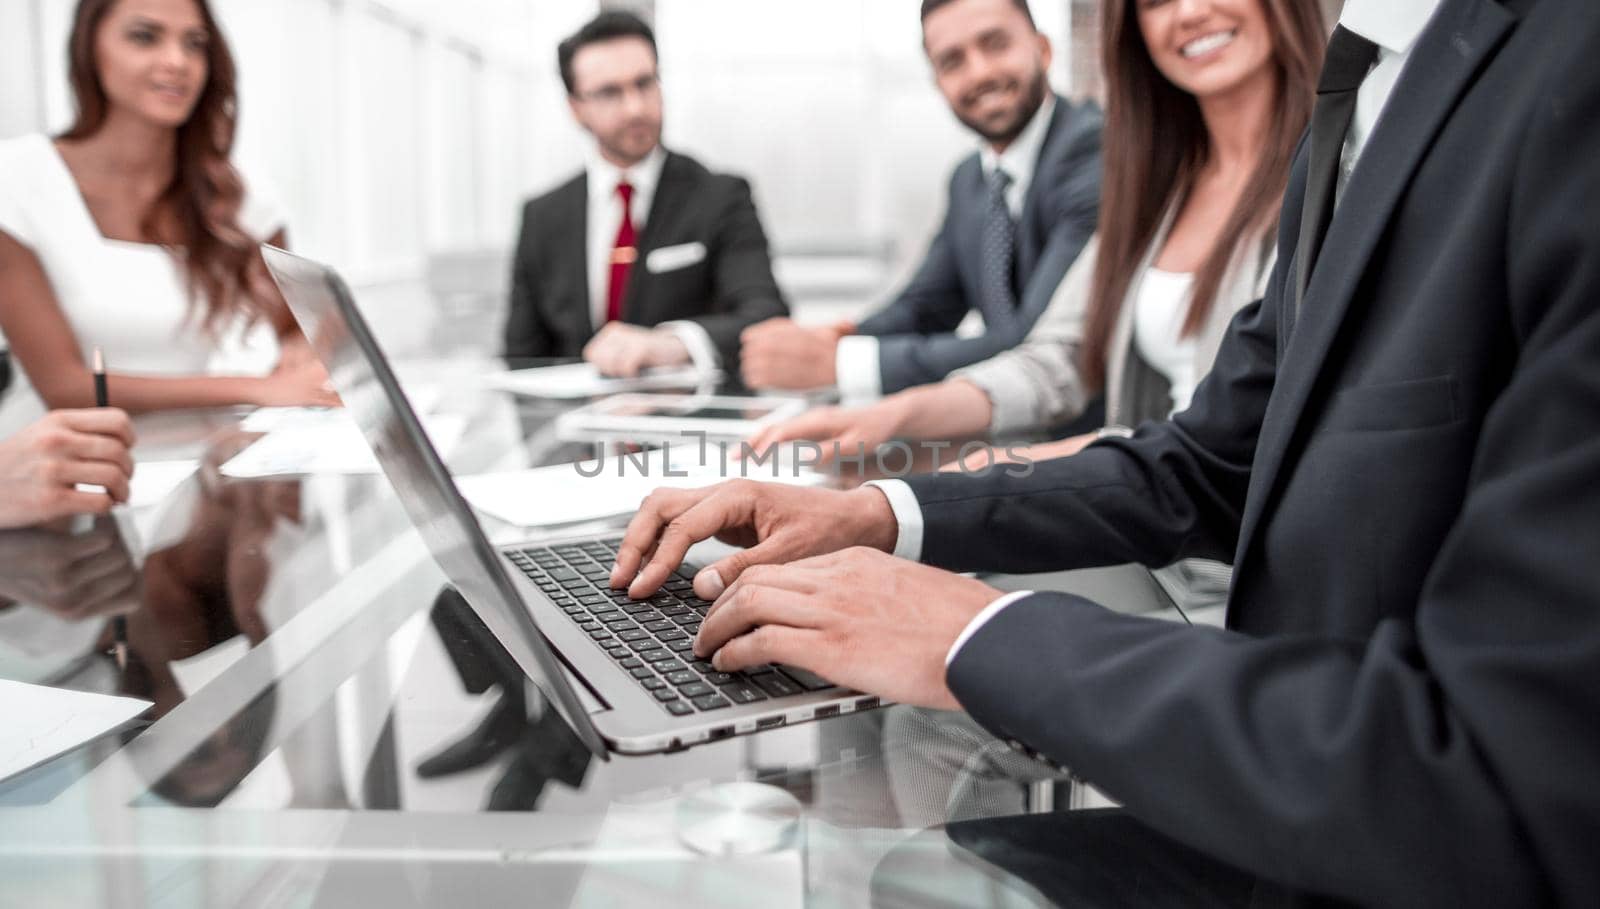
(133, 232)
(1206, 101)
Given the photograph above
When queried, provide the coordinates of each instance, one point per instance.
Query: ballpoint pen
(119, 624)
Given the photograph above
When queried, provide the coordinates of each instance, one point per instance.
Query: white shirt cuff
(989, 612)
(702, 353)
(856, 364)
(907, 516)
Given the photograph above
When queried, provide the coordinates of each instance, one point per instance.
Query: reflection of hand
(41, 466)
(778, 353)
(838, 430)
(619, 349)
(74, 576)
(777, 523)
(299, 380)
(858, 618)
(980, 461)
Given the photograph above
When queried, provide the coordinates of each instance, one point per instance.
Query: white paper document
(582, 380)
(153, 481)
(586, 491)
(39, 723)
(327, 442)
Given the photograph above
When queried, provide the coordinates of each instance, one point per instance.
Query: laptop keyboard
(653, 639)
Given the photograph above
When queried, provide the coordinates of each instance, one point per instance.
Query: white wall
(393, 129)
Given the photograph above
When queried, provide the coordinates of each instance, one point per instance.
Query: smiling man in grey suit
(646, 258)
(1399, 450)
(1019, 212)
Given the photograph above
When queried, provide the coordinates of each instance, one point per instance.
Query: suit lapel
(571, 252)
(672, 191)
(1447, 57)
(1031, 240)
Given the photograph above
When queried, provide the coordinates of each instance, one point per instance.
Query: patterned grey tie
(997, 294)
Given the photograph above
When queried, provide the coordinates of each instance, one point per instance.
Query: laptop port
(771, 722)
(867, 704)
(830, 710)
(721, 732)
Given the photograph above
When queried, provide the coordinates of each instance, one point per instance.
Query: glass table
(304, 658)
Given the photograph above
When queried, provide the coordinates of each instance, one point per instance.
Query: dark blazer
(730, 289)
(1405, 706)
(917, 344)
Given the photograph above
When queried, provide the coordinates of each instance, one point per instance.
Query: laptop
(621, 672)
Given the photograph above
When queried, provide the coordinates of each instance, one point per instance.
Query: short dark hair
(928, 6)
(608, 26)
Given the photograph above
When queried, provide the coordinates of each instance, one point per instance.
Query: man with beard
(646, 259)
(1019, 212)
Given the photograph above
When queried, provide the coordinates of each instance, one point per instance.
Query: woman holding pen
(133, 231)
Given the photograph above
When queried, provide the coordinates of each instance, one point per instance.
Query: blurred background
(402, 135)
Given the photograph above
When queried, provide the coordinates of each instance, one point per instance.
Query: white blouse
(1158, 316)
(128, 299)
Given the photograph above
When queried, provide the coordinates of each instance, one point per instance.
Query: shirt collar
(1393, 25)
(604, 176)
(1022, 155)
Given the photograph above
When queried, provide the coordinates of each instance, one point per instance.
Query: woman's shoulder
(28, 203)
(261, 214)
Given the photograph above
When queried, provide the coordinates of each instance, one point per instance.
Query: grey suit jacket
(1405, 471)
(916, 332)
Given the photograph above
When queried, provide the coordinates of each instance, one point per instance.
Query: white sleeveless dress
(128, 299)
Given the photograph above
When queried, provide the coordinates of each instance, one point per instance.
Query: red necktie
(623, 254)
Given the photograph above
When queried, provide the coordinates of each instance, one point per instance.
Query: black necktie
(1350, 58)
(999, 250)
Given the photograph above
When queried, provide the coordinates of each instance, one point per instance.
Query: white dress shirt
(605, 220)
(856, 361)
(1393, 25)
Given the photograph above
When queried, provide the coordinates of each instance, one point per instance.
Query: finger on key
(711, 515)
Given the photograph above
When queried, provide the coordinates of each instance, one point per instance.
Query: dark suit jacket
(1405, 707)
(917, 342)
(729, 290)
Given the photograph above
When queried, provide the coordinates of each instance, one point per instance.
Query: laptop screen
(360, 372)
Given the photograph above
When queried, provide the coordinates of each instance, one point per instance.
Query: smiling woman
(133, 232)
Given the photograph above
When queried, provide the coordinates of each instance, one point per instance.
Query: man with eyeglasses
(646, 259)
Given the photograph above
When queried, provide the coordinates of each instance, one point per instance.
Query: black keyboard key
(678, 708)
(742, 692)
(563, 574)
(671, 634)
(684, 646)
(683, 677)
(601, 635)
(632, 663)
(696, 689)
(575, 610)
(673, 612)
(617, 652)
(720, 678)
(687, 618)
(711, 702)
(591, 626)
(638, 634)
(668, 666)
(653, 684)
(635, 608)
(655, 656)
(645, 643)
(692, 629)
(808, 680)
(775, 685)
(702, 666)
(666, 694)
(641, 672)
(622, 625)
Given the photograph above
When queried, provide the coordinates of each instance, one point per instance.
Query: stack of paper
(327, 442)
(41, 723)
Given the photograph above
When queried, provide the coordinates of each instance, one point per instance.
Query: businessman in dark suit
(1018, 213)
(1399, 450)
(647, 258)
